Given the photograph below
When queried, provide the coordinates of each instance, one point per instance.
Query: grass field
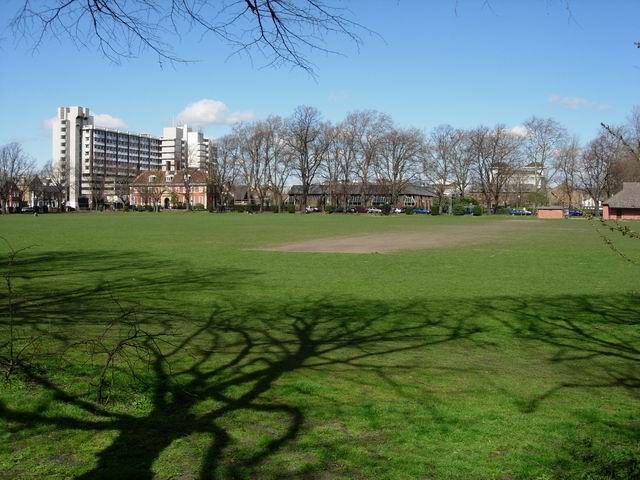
(513, 356)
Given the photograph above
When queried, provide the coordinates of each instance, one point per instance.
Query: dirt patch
(439, 236)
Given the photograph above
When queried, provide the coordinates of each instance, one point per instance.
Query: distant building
(373, 195)
(184, 148)
(92, 160)
(624, 205)
(168, 189)
(97, 164)
(523, 186)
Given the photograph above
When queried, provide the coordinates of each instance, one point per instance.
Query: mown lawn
(516, 357)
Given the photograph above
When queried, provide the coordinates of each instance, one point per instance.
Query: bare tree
(252, 159)
(308, 137)
(154, 189)
(496, 155)
(15, 167)
(282, 31)
(596, 163)
(630, 135)
(369, 128)
(331, 168)
(222, 170)
(567, 168)
(401, 152)
(543, 142)
(443, 149)
(461, 161)
(277, 158)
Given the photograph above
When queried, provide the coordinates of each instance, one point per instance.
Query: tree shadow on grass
(225, 364)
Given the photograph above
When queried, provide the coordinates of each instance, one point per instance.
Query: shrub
(503, 211)
(435, 209)
(477, 210)
(386, 209)
(149, 208)
(458, 209)
(409, 211)
(291, 208)
(198, 207)
(239, 208)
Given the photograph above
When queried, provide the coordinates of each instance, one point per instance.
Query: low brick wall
(551, 214)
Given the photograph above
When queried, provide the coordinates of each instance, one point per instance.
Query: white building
(94, 161)
(182, 147)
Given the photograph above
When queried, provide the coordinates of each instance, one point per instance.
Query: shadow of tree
(225, 363)
(278, 340)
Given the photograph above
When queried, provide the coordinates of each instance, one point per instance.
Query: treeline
(369, 147)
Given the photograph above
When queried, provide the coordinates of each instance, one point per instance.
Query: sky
(431, 62)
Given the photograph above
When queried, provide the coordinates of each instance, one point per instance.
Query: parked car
(572, 212)
(310, 209)
(520, 212)
(360, 209)
(28, 210)
(422, 211)
(397, 210)
(374, 210)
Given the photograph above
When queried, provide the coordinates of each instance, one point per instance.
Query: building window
(152, 178)
(409, 201)
(354, 200)
(379, 200)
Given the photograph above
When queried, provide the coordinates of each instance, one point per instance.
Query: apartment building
(184, 148)
(97, 164)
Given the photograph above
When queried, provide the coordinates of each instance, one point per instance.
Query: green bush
(409, 211)
(198, 207)
(240, 208)
(435, 209)
(477, 210)
(386, 209)
(503, 211)
(149, 208)
(291, 208)
(458, 209)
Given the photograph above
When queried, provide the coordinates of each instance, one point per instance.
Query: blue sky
(435, 64)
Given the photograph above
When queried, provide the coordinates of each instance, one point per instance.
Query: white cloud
(518, 130)
(99, 119)
(577, 103)
(207, 112)
(107, 121)
(48, 123)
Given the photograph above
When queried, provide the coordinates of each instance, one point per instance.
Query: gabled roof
(628, 197)
(356, 188)
(198, 177)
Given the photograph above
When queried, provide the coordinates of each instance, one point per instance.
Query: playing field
(320, 346)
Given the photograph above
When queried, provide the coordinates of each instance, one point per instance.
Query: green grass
(517, 358)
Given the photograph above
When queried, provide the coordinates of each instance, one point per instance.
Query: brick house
(624, 205)
(167, 189)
